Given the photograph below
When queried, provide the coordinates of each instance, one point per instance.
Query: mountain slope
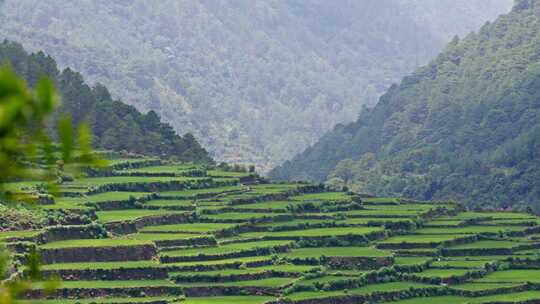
(115, 125)
(466, 126)
(257, 81)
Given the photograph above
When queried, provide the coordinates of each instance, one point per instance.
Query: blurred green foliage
(28, 152)
(26, 149)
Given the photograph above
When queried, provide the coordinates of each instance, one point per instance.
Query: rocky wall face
(227, 290)
(122, 274)
(86, 293)
(98, 254)
(62, 233)
(223, 278)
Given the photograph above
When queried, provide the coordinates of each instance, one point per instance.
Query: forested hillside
(464, 127)
(115, 125)
(256, 81)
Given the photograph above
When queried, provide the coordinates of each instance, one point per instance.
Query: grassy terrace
(459, 264)
(487, 244)
(513, 276)
(380, 200)
(164, 236)
(270, 282)
(235, 247)
(483, 286)
(318, 232)
(113, 284)
(518, 297)
(228, 300)
(102, 265)
(238, 216)
(411, 260)
(263, 248)
(441, 273)
(294, 223)
(471, 230)
(520, 222)
(218, 173)
(421, 239)
(78, 202)
(405, 207)
(129, 215)
(195, 192)
(244, 260)
(99, 181)
(445, 223)
(130, 161)
(167, 203)
(161, 169)
(508, 297)
(383, 287)
(372, 220)
(87, 243)
(113, 196)
(202, 228)
(272, 205)
(328, 196)
(490, 215)
(287, 268)
(383, 213)
(337, 252)
(5, 235)
(326, 279)
(172, 299)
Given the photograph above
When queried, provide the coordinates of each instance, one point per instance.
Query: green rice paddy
(242, 244)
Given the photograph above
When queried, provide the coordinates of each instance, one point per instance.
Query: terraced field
(146, 231)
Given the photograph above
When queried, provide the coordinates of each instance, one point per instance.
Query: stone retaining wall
(143, 273)
(86, 293)
(98, 254)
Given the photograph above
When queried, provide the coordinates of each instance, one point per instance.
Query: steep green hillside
(115, 125)
(256, 81)
(155, 232)
(465, 127)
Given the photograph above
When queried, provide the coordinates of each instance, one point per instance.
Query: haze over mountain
(464, 127)
(257, 81)
(115, 125)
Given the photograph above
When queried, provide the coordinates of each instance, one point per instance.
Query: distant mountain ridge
(115, 125)
(257, 81)
(464, 127)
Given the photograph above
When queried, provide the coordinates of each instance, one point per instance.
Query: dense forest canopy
(465, 127)
(115, 125)
(257, 81)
